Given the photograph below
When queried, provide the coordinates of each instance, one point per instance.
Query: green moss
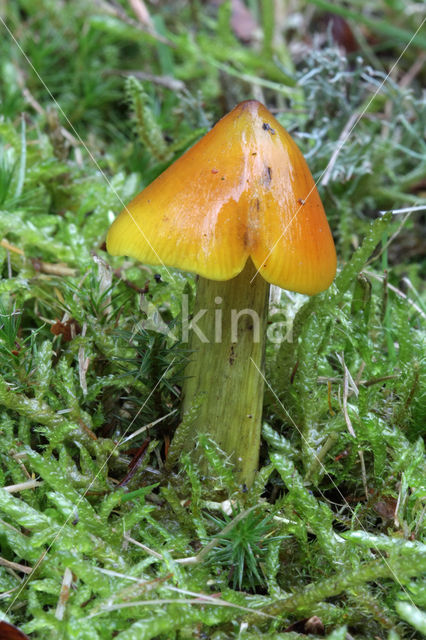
(90, 352)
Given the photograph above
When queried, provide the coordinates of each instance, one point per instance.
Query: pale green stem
(227, 346)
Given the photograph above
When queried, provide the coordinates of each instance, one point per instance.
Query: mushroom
(241, 210)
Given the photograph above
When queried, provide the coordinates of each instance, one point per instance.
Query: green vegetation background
(104, 538)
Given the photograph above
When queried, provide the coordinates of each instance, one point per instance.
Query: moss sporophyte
(241, 210)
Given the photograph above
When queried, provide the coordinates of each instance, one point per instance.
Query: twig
(146, 426)
(83, 363)
(53, 269)
(141, 12)
(394, 212)
(15, 566)
(149, 551)
(363, 472)
(17, 458)
(30, 98)
(359, 374)
(10, 247)
(64, 594)
(346, 375)
(22, 486)
(369, 383)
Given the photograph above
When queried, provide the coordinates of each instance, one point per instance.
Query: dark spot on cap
(267, 127)
(267, 176)
(301, 201)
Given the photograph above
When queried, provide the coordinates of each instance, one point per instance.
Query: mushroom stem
(227, 346)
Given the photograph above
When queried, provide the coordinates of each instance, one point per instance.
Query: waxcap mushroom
(243, 190)
(240, 201)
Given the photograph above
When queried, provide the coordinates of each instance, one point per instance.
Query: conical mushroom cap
(244, 190)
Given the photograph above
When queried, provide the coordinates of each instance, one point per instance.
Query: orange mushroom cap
(243, 190)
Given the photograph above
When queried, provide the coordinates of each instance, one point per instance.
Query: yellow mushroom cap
(243, 190)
